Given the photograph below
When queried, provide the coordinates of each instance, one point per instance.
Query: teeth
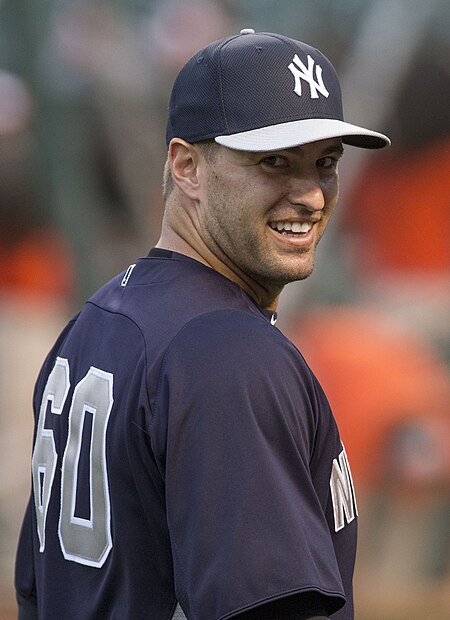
(295, 227)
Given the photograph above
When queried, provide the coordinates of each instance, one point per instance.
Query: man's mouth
(289, 228)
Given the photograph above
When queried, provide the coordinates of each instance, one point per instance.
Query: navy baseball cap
(261, 92)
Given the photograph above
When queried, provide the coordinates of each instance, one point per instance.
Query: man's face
(264, 213)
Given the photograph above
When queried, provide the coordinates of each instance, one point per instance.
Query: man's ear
(184, 162)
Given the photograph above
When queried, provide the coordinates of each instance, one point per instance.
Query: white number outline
(86, 541)
(44, 454)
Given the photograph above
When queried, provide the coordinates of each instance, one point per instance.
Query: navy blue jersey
(184, 456)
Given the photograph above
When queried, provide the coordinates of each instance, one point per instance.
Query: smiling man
(186, 462)
(258, 216)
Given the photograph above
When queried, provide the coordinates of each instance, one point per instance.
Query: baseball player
(186, 463)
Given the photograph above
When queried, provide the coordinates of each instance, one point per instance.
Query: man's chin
(285, 276)
(299, 272)
(300, 276)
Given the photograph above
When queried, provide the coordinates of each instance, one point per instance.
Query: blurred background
(84, 87)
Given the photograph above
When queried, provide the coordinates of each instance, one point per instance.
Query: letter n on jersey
(342, 492)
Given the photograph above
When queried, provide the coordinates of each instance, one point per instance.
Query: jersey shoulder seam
(131, 320)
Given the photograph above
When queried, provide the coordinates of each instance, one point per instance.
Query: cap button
(247, 31)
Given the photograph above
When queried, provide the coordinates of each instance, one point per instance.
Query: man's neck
(170, 240)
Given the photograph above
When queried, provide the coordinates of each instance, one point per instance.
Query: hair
(209, 150)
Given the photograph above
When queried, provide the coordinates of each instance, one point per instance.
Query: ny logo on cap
(300, 72)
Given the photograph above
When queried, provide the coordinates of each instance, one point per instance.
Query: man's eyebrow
(334, 148)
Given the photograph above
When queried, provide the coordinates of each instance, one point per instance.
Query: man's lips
(294, 233)
(291, 227)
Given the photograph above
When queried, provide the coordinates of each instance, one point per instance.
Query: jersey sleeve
(234, 429)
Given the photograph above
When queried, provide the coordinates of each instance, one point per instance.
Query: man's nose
(307, 192)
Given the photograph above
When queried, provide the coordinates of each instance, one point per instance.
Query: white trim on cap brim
(296, 133)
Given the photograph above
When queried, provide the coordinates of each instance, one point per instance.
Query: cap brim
(296, 133)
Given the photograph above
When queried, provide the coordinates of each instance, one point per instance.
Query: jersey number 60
(84, 540)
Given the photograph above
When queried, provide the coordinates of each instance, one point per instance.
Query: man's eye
(327, 162)
(275, 161)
